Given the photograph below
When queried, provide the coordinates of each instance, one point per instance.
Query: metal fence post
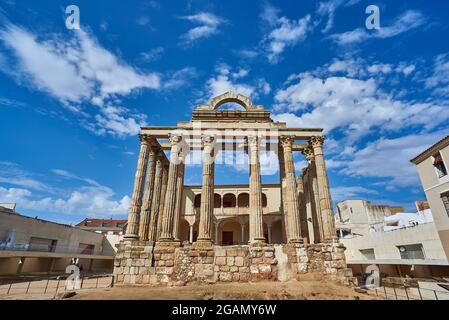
(436, 295)
(420, 295)
(406, 293)
(385, 290)
(395, 294)
(10, 285)
(28, 287)
(46, 286)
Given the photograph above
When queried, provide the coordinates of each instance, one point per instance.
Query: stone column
(292, 202)
(179, 197)
(323, 188)
(283, 184)
(216, 232)
(171, 192)
(255, 193)
(145, 213)
(314, 195)
(162, 199)
(132, 230)
(242, 231)
(155, 203)
(207, 191)
(302, 207)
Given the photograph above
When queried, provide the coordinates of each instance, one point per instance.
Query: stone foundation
(170, 263)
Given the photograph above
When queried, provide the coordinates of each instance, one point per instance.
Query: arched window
(243, 200)
(217, 200)
(229, 200)
(264, 200)
(197, 201)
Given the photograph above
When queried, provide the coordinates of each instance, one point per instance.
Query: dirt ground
(292, 290)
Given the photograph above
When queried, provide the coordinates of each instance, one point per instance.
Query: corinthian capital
(175, 138)
(286, 141)
(317, 141)
(208, 140)
(308, 153)
(145, 139)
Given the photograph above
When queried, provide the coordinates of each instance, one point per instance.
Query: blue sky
(72, 101)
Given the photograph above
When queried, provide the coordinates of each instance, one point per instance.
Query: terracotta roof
(105, 223)
(431, 150)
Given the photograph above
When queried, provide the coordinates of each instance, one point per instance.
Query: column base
(258, 242)
(203, 243)
(300, 241)
(131, 237)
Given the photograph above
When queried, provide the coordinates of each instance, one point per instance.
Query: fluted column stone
(207, 191)
(179, 197)
(132, 230)
(316, 143)
(162, 199)
(155, 203)
(171, 192)
(145, 213)
(292, 202)
(255, 193)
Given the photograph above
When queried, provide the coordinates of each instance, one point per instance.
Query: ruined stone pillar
(302, 207)
(255, 193)
(171, 192)
(283, 184)
(292, 202)
(179, 197)
(207, 191)
(314, 196)
(162, 199)
(242, 231)
(145, 213)
(269, 232)
(323, 188)
(132, 230)
(155, 203)
(216, 232)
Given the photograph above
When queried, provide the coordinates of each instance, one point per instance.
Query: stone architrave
(255, 193)
(292, 202)
(316, 143)
(132, 230)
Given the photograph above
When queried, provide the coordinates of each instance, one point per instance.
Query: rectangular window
(368, 254)
(86, 248)
(411, 251)
(42, 244)
(439, 165)
(445, 199)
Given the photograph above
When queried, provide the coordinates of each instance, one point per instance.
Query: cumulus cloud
(328, 9)
(283, 33)
(207, 25)
(438, 81)
(91, 198)
(409, 20)
(228, 79)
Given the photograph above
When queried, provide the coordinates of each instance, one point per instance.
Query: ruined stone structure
(176, 234)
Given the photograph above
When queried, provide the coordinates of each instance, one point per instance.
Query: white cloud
(409, 20)
(355, 105)
(207, 26)
(390, 158)
(11, 173)
(439, 80)
(328, 9)
(226, 80)
(86, 201)
(342, 193)
(152, 55)
(284, 32)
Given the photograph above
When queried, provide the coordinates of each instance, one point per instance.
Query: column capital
(286, 141)
(308, 153)
(145, 139)
(317, 141)
(208, 140)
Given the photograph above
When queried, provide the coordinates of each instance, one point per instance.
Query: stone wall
(167, 263)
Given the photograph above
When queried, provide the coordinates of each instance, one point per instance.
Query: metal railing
(52, 286)
(408, 293)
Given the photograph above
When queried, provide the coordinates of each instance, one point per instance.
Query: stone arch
(243, 200)
(229, 200)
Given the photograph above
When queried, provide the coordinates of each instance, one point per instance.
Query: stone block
(231, 252)
(244, 277)
(204, 270)
(220, 261)
(269, 254)
(234, 269)
(235, 277)
(239, 261)
(338, 255)
(264, 268)
(243, 269)
(242, 252)
(254, 269)
(225, 268)
(225, 276)
(164, 270)
(230, 261)
(169, 263)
